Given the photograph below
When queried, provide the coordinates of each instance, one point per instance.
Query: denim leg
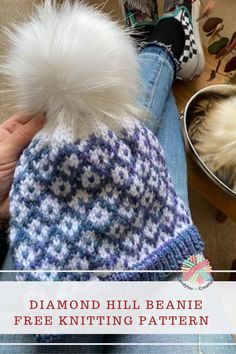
(197, 344)
(51, 349)
(157, 72)
(156, 78)
(171, 139)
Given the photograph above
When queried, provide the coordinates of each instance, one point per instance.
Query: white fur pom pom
(72, 62)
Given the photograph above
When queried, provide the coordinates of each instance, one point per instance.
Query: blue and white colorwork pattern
(101, 203)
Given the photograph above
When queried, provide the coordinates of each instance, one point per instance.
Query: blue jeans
(157, 75)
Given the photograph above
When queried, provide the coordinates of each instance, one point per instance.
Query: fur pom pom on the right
(213, 133)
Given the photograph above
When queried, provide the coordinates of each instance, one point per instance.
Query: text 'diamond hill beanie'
(92, 191)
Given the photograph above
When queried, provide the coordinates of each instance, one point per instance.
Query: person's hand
(15, 134)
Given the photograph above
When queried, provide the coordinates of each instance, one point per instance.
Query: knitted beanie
(91, 191)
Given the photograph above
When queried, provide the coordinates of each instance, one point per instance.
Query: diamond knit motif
(104, 203)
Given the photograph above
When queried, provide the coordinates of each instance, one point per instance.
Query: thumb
(25, 133)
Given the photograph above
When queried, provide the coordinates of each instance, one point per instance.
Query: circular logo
(196, 273)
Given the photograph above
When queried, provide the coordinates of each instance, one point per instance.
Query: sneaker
(140, 13)
(140, 16)
(192, 61)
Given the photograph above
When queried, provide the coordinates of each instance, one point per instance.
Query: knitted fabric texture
(101, 203)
